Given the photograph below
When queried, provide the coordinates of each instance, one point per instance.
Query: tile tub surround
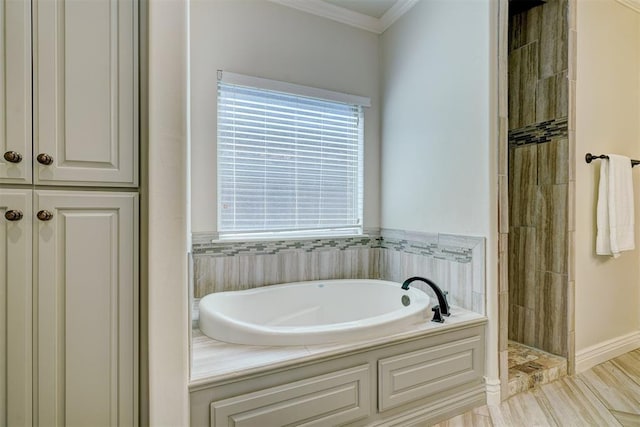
(216, 361)
(230, 266)
(455, 263)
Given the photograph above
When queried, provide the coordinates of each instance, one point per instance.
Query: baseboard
(606, 350)
(493, 388)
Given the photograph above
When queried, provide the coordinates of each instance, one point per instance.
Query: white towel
(615, 217)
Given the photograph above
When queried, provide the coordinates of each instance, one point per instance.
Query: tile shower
(539, 178)
(455, 263)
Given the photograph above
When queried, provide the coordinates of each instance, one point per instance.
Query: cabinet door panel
(87, 306)
(423, 373)
(331, 399)
(86, 84)
(16, 296)
(15, 90)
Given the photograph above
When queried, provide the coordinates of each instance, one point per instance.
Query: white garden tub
(314, 312)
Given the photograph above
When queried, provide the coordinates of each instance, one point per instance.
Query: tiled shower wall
(455, 263)
(538, 177)
(538, 63)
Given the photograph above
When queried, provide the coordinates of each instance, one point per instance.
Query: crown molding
(395, 12)
(335, 13)
(349, 17)
(633, 4)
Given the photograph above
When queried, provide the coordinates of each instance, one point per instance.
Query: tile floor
(530, 367)
(605, 395)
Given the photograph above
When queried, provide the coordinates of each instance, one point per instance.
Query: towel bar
(590, 157)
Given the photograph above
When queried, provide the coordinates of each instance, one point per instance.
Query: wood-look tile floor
(605, 395)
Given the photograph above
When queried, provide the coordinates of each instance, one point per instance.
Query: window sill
(236, 239)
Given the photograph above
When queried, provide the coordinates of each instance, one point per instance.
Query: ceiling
(371, 15)
(372, 8)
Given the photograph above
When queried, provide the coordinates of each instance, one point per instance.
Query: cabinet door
(15, 91)
(86, 92)
(332, 399)
(431, 371)
(87, 285)
(16, 298)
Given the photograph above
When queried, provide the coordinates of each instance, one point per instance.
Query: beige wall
(607, 303)
(264, 39)
(438, 129)
(436, 119)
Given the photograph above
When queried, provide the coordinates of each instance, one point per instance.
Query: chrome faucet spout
(440, 294)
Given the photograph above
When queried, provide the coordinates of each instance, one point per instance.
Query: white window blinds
(287, 162)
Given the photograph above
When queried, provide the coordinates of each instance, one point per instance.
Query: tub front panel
(355, 377)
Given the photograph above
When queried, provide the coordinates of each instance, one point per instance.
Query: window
(288, 162)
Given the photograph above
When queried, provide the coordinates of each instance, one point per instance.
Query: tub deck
(215, 361)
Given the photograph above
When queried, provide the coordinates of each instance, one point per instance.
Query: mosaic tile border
(538, 133)
(271, 247)
(440, 246)
(431, 249)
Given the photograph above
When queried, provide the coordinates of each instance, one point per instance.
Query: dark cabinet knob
(13, 157)
(44, 159)
(44, 215)
(13, 215)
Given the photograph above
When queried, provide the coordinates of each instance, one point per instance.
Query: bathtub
(316, 312)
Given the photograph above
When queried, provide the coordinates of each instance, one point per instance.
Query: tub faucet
(440, 294)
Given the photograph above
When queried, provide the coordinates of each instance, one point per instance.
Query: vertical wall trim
(571, 202)
(503, 207)
(144, 214)
(168, 213)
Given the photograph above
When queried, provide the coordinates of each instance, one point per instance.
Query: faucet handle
(447, 310)
(437, 315)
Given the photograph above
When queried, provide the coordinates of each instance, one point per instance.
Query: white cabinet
(15, 297)
(85, 297)
(69, 261)
(86, 279)
(15, 91)
(85, 92)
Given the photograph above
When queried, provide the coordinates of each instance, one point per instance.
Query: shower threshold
(530, 367)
